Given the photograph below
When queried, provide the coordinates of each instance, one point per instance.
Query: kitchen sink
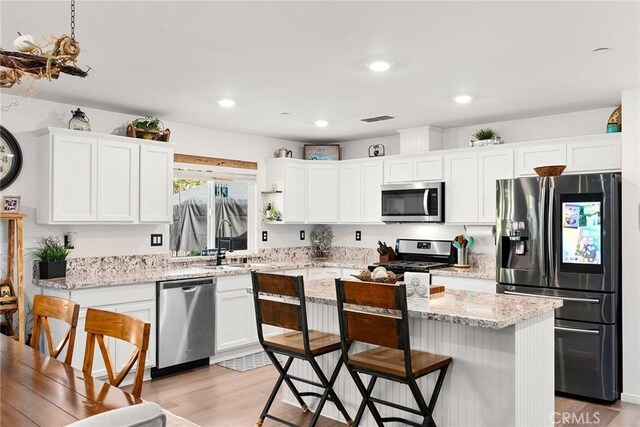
(249, 265)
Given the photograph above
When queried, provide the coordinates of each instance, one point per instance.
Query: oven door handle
(579, 331)
(568, 299)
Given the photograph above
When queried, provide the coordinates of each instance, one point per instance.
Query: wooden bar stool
(102, 323)
(377, 314)
(279, 301)
(45, 307)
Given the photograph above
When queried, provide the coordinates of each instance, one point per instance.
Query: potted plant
(486, 136)
(52, 256)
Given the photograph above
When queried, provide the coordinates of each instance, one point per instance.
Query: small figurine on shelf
(79, 121)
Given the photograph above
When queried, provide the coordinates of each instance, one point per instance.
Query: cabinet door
(351, 193)
(156, 184)
(295, 192)
(118, 181)
(398, 170)
(372, 179)
(492, 165)
(461, 188)
(143, 310)
(528, 158)
(322, 193)
(427, 168)
(74, 179)
(234, 315)
(594, 156)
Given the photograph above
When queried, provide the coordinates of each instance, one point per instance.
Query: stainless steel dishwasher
(186, 324)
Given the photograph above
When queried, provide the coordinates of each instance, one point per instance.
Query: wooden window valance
(214, 161)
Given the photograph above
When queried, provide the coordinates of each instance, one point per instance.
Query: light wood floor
(216, 396)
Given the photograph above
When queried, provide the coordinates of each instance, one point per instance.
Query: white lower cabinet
(235, 314)
(132, 300)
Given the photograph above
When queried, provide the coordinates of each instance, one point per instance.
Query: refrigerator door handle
(541, 215)
(568, 299)
(550, 220)
(579, 331)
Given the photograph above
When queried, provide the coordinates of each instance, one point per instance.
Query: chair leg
(366, 394)
(274, 392)
(287, 380)
(422, 404)
(328, 391)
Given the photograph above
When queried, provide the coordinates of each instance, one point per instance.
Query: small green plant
(483, 134)
(51, 249)
(148, 123)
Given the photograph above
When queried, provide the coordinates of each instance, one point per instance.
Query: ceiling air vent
(376, 119)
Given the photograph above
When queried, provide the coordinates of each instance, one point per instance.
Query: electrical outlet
(302, 235)
(156, 240)
(358, 236)
(265, 236)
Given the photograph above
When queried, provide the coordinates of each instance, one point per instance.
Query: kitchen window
(212, 210)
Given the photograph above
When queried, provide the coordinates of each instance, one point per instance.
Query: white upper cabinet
(372, 174)
(529, 157)
(118, 181)
(360, 196)
(398, 170)
(427, 168)
(74, 172)
(351, 193)
(156, 183)
(461, 187)
(85, 177)
(322, 193)
(493, 164)
(295, 192)
(603, 153)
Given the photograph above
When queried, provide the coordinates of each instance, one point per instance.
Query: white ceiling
(175, 59)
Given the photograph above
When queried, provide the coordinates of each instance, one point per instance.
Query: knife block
(390, 255)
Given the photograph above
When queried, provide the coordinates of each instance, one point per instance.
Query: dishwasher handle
(189, 289)
(186, 283)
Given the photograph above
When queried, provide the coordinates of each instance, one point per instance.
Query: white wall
(102, 240)
(630, 249)
(360, 148)
(589, 122)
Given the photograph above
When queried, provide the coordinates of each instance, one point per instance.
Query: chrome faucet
(219, 255)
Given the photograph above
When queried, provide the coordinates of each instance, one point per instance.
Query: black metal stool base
(425, 410)
(327, 384)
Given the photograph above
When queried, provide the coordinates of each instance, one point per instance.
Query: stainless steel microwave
(413, 202)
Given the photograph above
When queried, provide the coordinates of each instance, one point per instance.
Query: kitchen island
(502, 349)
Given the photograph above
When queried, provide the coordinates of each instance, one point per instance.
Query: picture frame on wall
(11, 204)
(322, 152)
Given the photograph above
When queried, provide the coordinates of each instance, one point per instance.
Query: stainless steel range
(419, 256)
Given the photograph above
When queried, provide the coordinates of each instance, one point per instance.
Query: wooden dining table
(36, 389)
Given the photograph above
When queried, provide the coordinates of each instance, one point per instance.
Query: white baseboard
(232, 354)
(631, 398)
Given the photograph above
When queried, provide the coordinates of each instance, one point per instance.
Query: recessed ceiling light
(226, 103)
(379, 66)
(322, 123)
(463, 99)
(601, 49)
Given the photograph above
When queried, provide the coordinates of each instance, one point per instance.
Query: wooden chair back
(45, 307)
(279, 301)
(373, 313)
(100, 323)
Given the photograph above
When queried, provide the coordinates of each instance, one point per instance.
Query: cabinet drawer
(233, 283)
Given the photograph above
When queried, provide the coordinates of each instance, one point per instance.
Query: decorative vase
(53, 270)
(79, 121)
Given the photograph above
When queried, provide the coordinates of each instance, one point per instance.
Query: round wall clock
(10, 158)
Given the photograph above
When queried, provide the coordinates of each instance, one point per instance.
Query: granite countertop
(475, 272)
(115, 277)
(485, 310)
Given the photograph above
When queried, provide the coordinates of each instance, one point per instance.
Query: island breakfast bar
(502, 348)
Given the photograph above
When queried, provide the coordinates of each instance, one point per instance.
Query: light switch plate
(302, 235)
(156, 240)
(358, 236)
(265, 236)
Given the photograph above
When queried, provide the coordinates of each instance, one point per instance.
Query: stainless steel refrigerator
(560, 238)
